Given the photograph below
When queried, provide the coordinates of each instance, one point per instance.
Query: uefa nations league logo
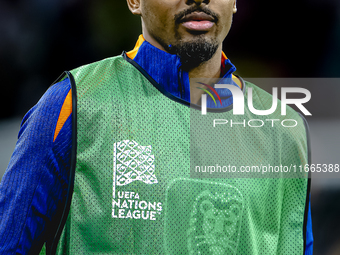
(133, 162)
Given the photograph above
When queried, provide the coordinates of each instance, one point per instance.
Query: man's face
(189, 28)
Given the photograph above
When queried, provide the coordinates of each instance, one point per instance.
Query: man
(102, 161)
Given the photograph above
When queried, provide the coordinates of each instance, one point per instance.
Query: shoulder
(44, 116)
(291, 124)
(101, 67)
(104, 77)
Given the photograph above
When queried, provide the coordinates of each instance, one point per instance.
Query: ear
(234, 7)
(205, 206)
(134, 6)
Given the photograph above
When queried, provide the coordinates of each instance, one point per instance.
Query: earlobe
(134, 6)
(234, 7)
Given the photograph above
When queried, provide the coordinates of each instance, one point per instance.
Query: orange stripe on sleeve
(65, 112)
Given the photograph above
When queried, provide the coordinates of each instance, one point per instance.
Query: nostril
(197, 2)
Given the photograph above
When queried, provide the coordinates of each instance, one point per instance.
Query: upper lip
(197, 16)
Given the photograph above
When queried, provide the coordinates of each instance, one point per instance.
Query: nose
(197, 2)
(219, 224)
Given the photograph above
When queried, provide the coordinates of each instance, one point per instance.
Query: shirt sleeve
(309, 233)
(34, 186)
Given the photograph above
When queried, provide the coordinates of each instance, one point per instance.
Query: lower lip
(203, 25)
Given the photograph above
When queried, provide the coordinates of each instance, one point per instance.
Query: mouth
(198, 21)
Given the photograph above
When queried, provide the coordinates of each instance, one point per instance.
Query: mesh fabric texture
(133, 193)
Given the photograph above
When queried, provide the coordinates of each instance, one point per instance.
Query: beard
(195, 52)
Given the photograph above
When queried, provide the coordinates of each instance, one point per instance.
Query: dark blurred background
(39, 39)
